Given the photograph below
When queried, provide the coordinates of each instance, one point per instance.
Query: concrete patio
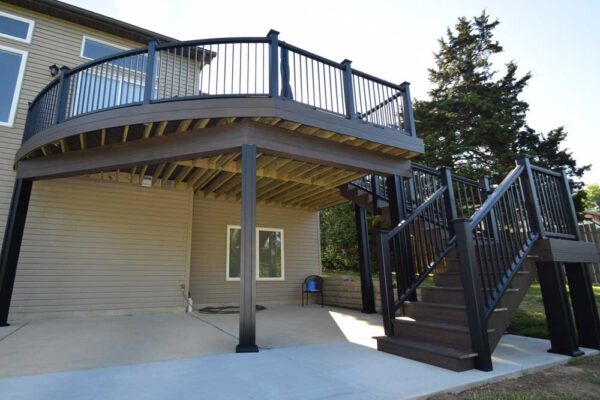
(307, 353)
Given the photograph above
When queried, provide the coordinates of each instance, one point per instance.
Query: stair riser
(443, 296)
(441, 361)
(450, 316)
(454, 280)
(441, 337)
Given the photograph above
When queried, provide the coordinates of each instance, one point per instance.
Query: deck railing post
(532, 202)
(449, 200)
(491, 220)
(407, 110)
(348, 89)
(385, 282)
(473, 294)
(149, 82)
(62, 96)
(376, 193)
(273, 36)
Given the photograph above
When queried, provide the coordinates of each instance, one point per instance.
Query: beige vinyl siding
(92, 246)
(209, 240)
(54, 41)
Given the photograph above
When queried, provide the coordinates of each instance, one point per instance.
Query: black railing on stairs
(493, 231)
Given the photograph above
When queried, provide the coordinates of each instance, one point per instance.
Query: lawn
(579, 379)
(530, 319)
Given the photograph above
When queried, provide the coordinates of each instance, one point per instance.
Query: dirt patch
(579, 379)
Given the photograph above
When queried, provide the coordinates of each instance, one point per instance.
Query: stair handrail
(490, 256)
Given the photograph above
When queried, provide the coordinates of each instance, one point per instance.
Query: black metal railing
(552, 191)
(492, 230)
(227, 67)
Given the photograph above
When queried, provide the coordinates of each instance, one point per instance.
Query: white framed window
(92, 48)
(15, 27)
(12, 65)
(270, 264)
(119, 82)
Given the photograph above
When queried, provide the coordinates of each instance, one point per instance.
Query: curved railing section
(213, 68)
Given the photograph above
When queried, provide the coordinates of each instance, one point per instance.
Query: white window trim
(17, 94)
(85, 37)
(18, 18)
(282, 278)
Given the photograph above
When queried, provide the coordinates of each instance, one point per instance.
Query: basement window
(12, 65)
(16, 28)
(269, 252)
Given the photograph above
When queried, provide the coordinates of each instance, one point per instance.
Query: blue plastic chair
(312, 284)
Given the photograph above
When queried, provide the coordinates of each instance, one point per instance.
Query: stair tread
(429, 347)
(459, 288)
(436, 305)
(437, 325)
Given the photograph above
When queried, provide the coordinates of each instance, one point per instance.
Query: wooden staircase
(365, 199)
(435, 330)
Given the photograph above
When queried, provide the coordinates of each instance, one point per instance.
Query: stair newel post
(273, 36)
(491, 220)
(581, 290)
(449, 200)
(531, 198)
(388, 312)
(473, 294)
(407, 109)
(348, 89)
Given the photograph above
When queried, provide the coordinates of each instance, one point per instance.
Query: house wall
(208, 285)
(54, 41)
(92, 246)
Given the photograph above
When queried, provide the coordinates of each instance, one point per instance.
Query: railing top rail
(204, 42)
(491, 201)
(417, 212)
(116, 56)
(425, 168)
(378, 80)
(467, 181)
(546, 171)
(308, 54)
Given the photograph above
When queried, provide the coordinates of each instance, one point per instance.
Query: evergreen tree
(474, 121)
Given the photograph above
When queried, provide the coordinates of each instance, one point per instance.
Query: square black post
(364, 260)
(11, 246)
(401, 243)
(563, 338)
(584, 305)
(247, 340)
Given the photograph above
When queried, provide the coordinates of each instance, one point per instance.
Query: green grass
(530, 319)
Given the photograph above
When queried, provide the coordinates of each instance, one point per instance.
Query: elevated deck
(177, 114)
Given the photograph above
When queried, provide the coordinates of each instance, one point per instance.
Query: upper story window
(93, 48)
(17, 28)
(12, 67)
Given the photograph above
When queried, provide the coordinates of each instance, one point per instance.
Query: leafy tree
(475, 120)
(339, 249)
(592, 201)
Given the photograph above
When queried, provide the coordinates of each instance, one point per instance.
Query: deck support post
(364, 260)
(584, 305)
(563, 338)
(11, 245)
(247, 338)
(401, 244)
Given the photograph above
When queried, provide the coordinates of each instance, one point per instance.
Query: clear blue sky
(558, 41)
